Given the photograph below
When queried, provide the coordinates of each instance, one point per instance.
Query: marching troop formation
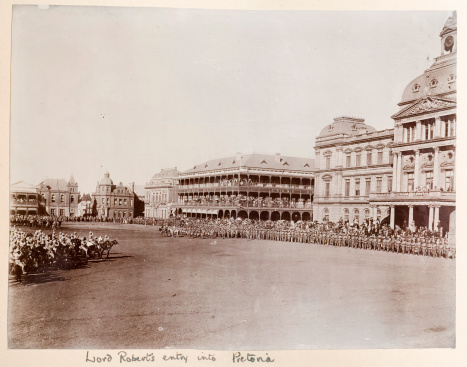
(38, 251)
(371, 236)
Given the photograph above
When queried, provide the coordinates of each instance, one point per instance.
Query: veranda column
(374, 208)
(392, 220)
(417, 169)
(436, 169)
(399, 171)
(411, 217)
(430, 218)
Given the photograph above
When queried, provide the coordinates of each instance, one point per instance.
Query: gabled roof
(54, 184)
(424, 105)
(260, 161)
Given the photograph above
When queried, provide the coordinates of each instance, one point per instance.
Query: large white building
(406, 174)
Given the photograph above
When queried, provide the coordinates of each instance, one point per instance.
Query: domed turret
(346, 125)
(106, 181)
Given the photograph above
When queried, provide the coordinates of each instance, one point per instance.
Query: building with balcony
(161, 194)
(255, 186)
(423, 192)
(406, 174)
(24, 199)
(352, 161)
(113, 201)
(59, 196)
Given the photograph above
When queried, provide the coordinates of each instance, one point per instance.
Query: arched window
(325, 215)
(346, 215)
(356, 216)
(366, 213)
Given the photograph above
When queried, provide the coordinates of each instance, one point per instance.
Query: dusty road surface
(158, 292)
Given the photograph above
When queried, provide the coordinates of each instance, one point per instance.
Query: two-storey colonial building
(24, 199)
(59, 197)
(161, 193)
(255, 186)
(352, 161)
(113, 201)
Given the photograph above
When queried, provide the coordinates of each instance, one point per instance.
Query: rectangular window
(53, 198)
(62, 212)
(119, 201)
(450, 180)
(327, 186)
(390, 184)
(347, 187)
(125, 201)
(108, 201)
(429, 180)
(410, 181)
(103, 200)
(358, 160)
(52, 211)
(62, 198)
(115, 201)
(368, 158)
(328, 162)
(379, 184)
(347, 160)
(380, 157)
(367, 186)
(72, 199)
(357, 187)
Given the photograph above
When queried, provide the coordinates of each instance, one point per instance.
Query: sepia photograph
(226, 179)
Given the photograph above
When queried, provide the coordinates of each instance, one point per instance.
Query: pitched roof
(23, 186)
(54, 184)
(424, 105)
(259, 161)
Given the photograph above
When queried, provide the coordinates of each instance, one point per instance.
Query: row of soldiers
(38, 251)
(36, 221)
(370, 236)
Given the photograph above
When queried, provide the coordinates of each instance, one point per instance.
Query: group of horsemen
(38, 251)
(370, 235)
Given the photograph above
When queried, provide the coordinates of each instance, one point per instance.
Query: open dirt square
(158, 292)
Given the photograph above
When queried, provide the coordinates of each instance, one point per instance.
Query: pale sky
(134, 90)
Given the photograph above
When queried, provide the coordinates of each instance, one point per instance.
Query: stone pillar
(453, 127)
(436, 218)
(430, 218)
(443, 129)
(437, 132)
(411, 217)
(417, 169)
(449, 128)
(418, 131)
(399, 171)
(392, 222)
(395, 170)
(436, 168)
(404, 136)
(375, 216)
(423, 132)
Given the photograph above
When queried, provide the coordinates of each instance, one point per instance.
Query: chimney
(133, 187)
(277, 157)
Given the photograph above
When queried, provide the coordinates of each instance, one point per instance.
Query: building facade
(352, 161)
(254, 186)
(113, 201)
(161, 194)
(423, 191)
(24, 199)
(59, 197)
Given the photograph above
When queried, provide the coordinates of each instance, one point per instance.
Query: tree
(94, 208)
